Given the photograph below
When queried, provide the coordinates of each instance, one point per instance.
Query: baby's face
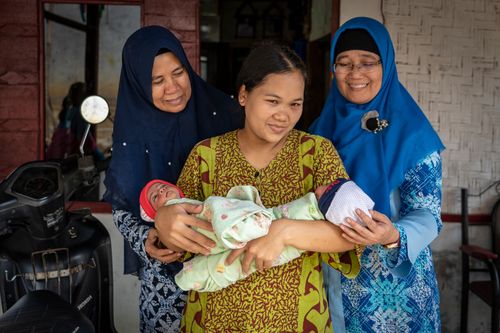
(320, 190)
(159, 194)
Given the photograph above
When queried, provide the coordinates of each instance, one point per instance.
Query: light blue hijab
(377, 162)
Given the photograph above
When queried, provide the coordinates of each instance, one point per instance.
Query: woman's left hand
(264, 250)
(164, 254)
(379, 229)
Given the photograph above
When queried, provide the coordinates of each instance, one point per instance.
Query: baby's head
(326, 193)
(320, 190)
(154, 195)
(340, 200)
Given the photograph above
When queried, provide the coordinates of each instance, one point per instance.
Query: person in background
(163, 109)
(391, 151)
(283, 164)
(65, 139)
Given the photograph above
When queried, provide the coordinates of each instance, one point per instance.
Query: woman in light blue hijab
(391, 151)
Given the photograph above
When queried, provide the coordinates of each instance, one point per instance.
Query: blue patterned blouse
(160, 300)
(396, 290)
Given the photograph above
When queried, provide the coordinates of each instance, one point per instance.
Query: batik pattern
(378, 301)
(287, 298)
(161, 301)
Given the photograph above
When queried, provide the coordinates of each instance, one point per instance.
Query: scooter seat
(43, 311)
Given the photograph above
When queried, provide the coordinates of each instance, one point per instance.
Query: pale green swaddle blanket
(236, 219)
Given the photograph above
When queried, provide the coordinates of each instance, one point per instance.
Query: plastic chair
(487, 290)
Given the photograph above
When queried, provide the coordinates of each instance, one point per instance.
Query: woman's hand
(174, 226)
(264, 250)
(379, 229)
(164, 255)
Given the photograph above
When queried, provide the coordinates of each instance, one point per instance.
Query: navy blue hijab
(377, 162)
(149, 143)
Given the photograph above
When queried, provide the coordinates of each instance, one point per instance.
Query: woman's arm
(132, 230)
(316, 236)
(420, 213)
(141, 237)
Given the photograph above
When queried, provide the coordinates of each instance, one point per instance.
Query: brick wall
(448, 55)
(19, 84)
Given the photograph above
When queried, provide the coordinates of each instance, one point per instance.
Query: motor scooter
(55, 264)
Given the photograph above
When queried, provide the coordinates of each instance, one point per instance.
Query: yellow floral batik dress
(287, 298)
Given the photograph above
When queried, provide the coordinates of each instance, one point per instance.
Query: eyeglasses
(364, 67)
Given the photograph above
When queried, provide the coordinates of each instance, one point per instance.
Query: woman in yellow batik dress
(283, 164)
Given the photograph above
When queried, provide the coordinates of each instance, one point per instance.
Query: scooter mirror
(94, 109)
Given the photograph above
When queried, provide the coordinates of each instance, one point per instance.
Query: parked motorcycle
(55, 265)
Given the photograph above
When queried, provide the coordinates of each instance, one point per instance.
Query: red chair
(487, 290)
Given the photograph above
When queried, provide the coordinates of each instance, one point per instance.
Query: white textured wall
(354, 8)
(448, 55)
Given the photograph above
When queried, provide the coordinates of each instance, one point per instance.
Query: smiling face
(355, 86)
(274, 107)
(159, 193)
(171, 87)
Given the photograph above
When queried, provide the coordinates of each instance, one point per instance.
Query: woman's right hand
(174, 225)
(379, 229)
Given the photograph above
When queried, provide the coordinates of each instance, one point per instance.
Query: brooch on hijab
(372, 123)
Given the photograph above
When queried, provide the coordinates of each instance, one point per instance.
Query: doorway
(229, 29)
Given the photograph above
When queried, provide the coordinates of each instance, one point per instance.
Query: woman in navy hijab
(163, 109)
(392, 152)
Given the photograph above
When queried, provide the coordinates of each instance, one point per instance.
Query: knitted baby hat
(341, 199)
(147, 211)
